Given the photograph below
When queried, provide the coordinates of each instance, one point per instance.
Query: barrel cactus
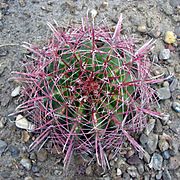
(87, 90)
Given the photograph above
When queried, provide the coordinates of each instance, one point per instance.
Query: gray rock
(152, 143)
(14, 151)
(132, 171)
(159, 175)
(156, 161)
(176, 106)
(165, 54)
(166, 175)
(177, 30)
(35, 169)
(146, 157)
(143, 139)
(164, 93)
(174, 3)
(3, 146)
(26, 163)
(89, 170)
(163, 144)
(166, 154)
(58, 172)
(174, 162)
(150, 126)
(173, 85)
(175, 126)
(126, 176)
(140, 168)
(3, 52)
(42, 155)
(158, 126)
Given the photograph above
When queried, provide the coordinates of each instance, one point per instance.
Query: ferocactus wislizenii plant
(87, 90)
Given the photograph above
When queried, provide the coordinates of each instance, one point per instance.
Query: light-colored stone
(22, 123)
(170, 37)
(119, 172)
(93, 13)
(156, 161)
(16, 91)
(26, 163)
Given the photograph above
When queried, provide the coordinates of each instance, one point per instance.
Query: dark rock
(134, 160)
(14, 151)
(3, 146)
(158, 126)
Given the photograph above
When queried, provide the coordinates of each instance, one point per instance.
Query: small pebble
(140, 168)
(28, 178)
(57, 172)
(142, 28)
(165, 54)
(93, 13)
(166, 154)
(159, 175)
(42, 155)
(3, 146)
(119, 172)
(22, 123)
(166, 175)
(132, 171)
(89, 170)
(35, 169)
(26, 163)
(16, 91)
(174, 162)
(152, 143)
(156, 161)
(25, 136)
(163, 144)
(164, 93)
(22, 3)
(14, 151)
(150, 126)
(176, 106)
(170, 37)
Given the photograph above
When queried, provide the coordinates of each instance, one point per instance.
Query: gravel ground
(25, 20)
